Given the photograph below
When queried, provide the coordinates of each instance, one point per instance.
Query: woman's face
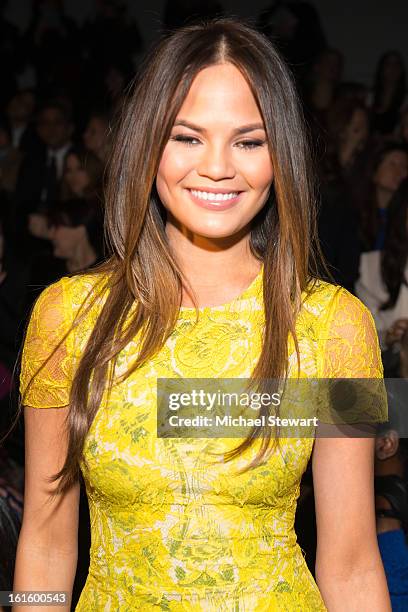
(392, 171)
(95, 135)
(357, 130)
(65, 240)
(216, 172)
(75, 176)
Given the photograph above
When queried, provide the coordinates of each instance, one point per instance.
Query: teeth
(215, 197)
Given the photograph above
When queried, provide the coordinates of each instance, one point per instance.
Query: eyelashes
(191, 141)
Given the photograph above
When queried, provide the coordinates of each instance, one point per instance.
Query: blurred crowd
(62, 87)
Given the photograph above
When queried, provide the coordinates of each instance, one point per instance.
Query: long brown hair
(145, 280)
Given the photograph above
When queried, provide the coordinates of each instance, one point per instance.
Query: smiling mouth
(214, 196)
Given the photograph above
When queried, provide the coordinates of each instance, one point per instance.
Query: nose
(216, 163)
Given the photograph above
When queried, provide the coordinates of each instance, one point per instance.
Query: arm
(349, 570)
(47, 547)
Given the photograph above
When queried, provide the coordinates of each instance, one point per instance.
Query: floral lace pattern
(170, 530)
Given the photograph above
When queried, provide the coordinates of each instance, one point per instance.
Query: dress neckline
(251, 291)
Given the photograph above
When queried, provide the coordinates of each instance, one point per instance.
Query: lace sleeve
(350, 343)
(350, 350)
(46, 372)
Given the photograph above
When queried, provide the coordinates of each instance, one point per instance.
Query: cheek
(173, 167)
(258, 172)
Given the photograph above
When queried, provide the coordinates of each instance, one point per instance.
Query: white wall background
(361, 29)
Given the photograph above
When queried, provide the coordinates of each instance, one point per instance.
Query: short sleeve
(350, 350)
(46, 364)
(350, 343)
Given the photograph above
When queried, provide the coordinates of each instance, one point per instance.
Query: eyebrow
(241, 130)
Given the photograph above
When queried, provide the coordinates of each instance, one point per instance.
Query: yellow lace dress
(168, 532)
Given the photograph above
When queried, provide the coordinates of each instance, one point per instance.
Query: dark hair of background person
(93, 167)
(387, 119)
(395, 253)
(339, 117)
(143, 270)
(81, 211)
(369, 221)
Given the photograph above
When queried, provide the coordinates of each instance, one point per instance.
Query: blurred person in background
(402, 128)
(383, 281)
(10, 160)
(386, 170)
(295, 27)
(391, 494)
(96, 137)
(82, 176)
(320, 86)
(348, 129)
(52, 41)
(20, 114)
(40, 174)
(389, 92)
(76, 233)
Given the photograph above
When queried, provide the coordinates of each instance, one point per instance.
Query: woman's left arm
(349, 570)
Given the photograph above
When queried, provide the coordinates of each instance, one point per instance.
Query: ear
(386, 445)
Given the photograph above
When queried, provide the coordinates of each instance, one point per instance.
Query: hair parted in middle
(143, 276)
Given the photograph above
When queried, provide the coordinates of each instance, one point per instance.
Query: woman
(348, 128)
(389, 92)
(76, 233)
(387, 169)
(82, 174)
(210, 222)
(96, 136)
(382, 284)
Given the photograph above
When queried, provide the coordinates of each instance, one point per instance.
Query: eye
(188, 140)
(250, 144)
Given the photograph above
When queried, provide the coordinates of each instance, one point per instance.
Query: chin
(221, 228)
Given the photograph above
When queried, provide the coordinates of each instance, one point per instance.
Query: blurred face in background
(95, 135)
(357, 130)
(21, 107)
(75, 176)
(216, 172)
(65, 240)
(392, 171)
(53, 128)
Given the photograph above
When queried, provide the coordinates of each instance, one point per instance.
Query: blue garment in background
(394, 554)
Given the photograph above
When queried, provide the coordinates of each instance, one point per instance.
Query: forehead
(220, 94)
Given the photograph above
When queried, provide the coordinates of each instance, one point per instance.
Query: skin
(215, 156)
(75, 176)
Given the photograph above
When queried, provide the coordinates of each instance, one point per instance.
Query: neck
(383, 197)
(217, 269)
(83, 257)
